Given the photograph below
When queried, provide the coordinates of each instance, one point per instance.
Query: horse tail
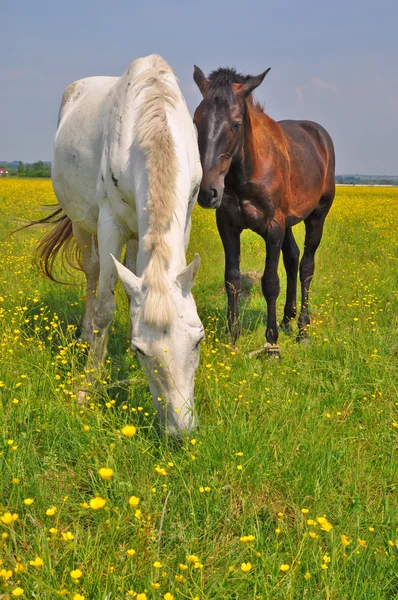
(58, 240)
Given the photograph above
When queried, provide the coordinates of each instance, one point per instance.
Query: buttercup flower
(129, 430)
(134, 501)
(246, 567)
(106, 473)
(76, 574)
(37, 562)
(284, 568)
(8, 518)
(324, 523)
(97, 503)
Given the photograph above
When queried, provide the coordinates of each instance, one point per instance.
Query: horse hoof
(270, 350)
(304, 340)
(273, 351)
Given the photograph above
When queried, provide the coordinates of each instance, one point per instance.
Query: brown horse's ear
(200, 79)
(246, 88)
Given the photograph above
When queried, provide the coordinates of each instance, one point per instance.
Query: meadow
(289, 488)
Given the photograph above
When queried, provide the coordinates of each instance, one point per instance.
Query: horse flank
(155, 140)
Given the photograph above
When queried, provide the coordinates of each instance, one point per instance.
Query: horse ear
(187, 276)
(200, 79)
(131, 283)
(246, 88)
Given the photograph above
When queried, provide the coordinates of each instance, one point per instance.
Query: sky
(331, 62)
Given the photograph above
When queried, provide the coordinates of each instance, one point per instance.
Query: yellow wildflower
(4, 574)
(246, 567)
(157, 565)
(129, 430)
(362, 543)
(78, 597)
(97, 503)
(134, 501)
(68, 536)
(183, 567)
(28, 501)
(285, 568)
(76, 574)
(247, 538)
(168, 596)
(141, 596)
(8, 518)
(50, 512)
(131, 552)
(193, 558)
(37, 562)
(345, 540)
(106, 473)
(324, 523)
(17, 592)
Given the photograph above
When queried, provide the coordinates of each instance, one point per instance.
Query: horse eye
(235, 126)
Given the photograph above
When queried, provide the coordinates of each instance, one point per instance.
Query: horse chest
(254, 216)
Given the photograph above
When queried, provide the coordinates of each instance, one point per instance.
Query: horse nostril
(214, 192)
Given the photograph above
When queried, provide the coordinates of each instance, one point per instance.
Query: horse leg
(291, 253)
(110, 241)
(90, 266)
(230, 237)
(270, 283)
(313, 235)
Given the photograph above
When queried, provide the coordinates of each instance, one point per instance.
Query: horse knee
(104, 309)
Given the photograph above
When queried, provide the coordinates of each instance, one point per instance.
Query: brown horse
(264, 176)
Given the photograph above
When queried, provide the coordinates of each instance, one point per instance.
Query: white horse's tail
(58, 240)
(155, 140)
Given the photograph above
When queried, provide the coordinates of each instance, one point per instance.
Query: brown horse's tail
(59, 239)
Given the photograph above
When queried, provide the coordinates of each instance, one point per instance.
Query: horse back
(311, 153)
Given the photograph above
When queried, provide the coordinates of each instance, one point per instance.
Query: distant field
(289, 489)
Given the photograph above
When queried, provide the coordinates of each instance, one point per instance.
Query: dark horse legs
(230, 237)
(313, 234)
(291, 255)
(270, 280)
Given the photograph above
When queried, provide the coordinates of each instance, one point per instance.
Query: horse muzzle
(210, 197)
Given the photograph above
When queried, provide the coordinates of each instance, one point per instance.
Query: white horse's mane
(154, 92)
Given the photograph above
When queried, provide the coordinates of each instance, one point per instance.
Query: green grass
(316, 431)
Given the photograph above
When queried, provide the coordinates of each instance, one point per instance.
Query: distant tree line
(36, 169)
(363, 179)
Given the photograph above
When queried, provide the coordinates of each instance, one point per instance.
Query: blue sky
(331, 62)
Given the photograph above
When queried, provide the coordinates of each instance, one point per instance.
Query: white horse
(126, 170)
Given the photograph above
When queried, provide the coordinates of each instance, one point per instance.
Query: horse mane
(155, 93)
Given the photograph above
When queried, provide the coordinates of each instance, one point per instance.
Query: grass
(280, 444)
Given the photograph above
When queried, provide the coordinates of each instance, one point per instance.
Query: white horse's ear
(131, 283)
(187, 276)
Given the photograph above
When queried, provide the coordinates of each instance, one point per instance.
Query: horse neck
(263, 141)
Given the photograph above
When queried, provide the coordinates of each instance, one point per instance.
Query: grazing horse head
(169, 353)
(219, 120)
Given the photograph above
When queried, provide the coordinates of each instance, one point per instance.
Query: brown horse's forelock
(221, 81)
